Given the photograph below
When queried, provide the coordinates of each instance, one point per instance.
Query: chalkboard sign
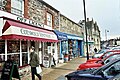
(10, 70)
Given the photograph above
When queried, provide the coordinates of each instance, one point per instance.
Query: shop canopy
(60, 35)
(74, 37)
(16, 30)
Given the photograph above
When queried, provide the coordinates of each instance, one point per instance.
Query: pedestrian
(34, 62)
(54, 59)
(53, 64)
(95, 50)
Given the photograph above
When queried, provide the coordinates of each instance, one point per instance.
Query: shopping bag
(38, 69)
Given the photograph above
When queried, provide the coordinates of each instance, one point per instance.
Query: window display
(24, 59)
(2, 46)
(64, 47)
(13, 46)
(24, 46)
(46, 47)
(24, 52)
(15, 57)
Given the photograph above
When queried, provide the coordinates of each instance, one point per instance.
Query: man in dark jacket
(34, 62)
(95, 50)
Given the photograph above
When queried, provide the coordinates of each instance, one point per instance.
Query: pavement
(60, 70)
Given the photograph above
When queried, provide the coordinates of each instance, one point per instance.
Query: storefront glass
(13, 46)
(2, 53)
(64, 47)
(2, 46)
(24, 52)
(13, 50)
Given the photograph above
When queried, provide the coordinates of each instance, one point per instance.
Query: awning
(74, 37)
(16, 30)
(60, 35)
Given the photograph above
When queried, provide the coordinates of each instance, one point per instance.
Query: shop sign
(28, 32)
(46, 62)
(10, 70)
(24, 20)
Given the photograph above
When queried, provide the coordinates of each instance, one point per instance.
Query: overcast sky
(105, 12)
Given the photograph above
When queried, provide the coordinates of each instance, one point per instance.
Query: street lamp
(106, 34)
(86, 30)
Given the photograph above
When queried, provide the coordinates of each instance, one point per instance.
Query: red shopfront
(17, 37)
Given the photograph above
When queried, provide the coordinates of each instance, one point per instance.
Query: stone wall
(37, 11)
(68, 26)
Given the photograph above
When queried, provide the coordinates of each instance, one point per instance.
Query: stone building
(25, 23)
(93, 36)
(71, 38)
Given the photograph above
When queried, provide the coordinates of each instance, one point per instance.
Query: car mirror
(102, 63)
(102, 74)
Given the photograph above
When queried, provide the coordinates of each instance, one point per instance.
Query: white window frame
(16, 11)
(49, 19)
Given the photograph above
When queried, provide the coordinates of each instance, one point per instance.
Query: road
(58, 73)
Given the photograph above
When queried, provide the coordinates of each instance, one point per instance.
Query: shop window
(13, 50)
(32, 43)
(2, 46)
(15, 57)
(24, 46)
(13, 46)
(46, 47)
(24, 52)
(24, 59)
(2, 53)
(49, 19)
(17, 7)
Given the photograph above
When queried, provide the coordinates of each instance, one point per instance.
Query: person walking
(95, 50)
(34, 62)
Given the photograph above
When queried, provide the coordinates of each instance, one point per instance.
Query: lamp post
(106, 34)
(86, 30)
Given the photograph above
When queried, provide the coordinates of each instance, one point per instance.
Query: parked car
(117, 77)
(99, 53)
(115, 48)
(99, 63)
(103, 56)
(103, 73)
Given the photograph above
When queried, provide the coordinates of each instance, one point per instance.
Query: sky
(105, 12)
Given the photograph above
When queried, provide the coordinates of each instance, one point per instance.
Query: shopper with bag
(34, 63)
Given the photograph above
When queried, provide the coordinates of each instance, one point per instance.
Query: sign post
(10, 70)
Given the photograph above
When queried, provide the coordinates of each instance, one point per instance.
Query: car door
(112, 70)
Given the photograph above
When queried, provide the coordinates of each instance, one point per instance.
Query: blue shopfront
(70, 46)
(62, 45)
(75, 46)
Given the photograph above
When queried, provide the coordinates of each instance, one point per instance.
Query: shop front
(63, 45)
(17, 37)
(70, 46)
(75, 46)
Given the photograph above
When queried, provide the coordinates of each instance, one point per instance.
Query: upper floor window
(3, 4)
(49, 19)
(17, 7)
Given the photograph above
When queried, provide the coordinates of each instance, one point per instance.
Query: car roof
(105, 66)
(116, 53)
(110, 51)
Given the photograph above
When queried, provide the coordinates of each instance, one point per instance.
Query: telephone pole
(86, 30)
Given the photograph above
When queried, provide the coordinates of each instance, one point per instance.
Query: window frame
(14, 10)
(49, 22)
